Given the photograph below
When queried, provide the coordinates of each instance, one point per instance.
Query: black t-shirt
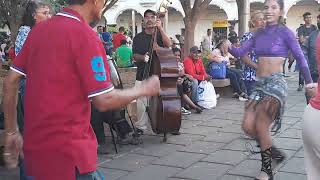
(141, 45)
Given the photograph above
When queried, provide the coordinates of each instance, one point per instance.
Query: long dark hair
(28, 16)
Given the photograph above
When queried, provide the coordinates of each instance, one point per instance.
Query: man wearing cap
(194, 66)
(141, 48)
(59, 143)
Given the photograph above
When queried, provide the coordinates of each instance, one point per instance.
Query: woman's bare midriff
(269, 65)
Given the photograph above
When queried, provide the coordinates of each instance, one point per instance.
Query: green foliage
(206, 55)
(57, 4)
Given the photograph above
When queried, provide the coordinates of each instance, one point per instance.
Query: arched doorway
(214, 14)
(294, 15)
(125, 20)
(175, 22)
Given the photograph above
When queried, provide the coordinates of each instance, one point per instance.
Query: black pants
(116, 119)
(301, 79)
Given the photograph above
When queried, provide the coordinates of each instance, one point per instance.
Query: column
(133, 23)
(166, 21)
(244, 17)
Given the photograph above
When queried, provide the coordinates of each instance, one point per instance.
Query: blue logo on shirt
(97, 66)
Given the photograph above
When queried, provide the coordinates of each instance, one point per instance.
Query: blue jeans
(236, 80)
(23, 175)
(89, 176)
(194, 90)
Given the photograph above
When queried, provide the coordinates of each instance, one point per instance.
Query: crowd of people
(70, 134)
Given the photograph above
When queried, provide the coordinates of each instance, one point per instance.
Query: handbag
(218, 70)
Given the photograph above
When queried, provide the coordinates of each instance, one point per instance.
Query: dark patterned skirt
(275, 87)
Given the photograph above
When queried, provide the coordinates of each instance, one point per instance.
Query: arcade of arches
(174, 23)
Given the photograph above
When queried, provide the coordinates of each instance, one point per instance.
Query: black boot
(266, 169)
(277, 155)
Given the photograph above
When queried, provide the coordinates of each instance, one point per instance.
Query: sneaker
(218, 96)
(242, 99)
(176, 133)
(300, 87)
(235, 95)
(185, 112)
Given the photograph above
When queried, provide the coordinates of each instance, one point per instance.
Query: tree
(11, 12)
(192, 16)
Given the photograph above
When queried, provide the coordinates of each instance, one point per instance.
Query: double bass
(164, 110)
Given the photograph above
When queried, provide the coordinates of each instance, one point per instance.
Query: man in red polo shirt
(117, 38)
(63, 76)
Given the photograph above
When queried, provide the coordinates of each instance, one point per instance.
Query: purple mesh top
(275, 41)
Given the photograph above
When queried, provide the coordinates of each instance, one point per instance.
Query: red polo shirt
(117, 38)
(195, 68)
(65, 65)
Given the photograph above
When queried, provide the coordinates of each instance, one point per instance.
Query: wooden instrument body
(165, 110)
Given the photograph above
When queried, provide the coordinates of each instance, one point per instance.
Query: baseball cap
(195, 49)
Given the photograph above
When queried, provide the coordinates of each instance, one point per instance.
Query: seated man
(124, 55)
(193, 66)
(184, 86)
(118, 122)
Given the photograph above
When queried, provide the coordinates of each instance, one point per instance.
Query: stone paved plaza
(211, 147)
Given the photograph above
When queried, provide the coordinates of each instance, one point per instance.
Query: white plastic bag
(207, 95)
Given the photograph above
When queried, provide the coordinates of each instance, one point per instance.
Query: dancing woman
(266, 104)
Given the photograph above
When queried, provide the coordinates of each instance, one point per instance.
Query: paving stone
(248, 168)
(201, 130)
(204, 171)
(197, 117)
(288, 143)
(179, 159)
(230, 177)
(202, 147)
(152, 172)
(297, 108)
(294, 165)
(158, 150)
(300, 153)
(218, 123)
(239, 145)
(298, 125)
(184, 139)
(230, 116)
(221, 137)
(293, 114)
(130, 162)
(226, 157)
(290, 176)
(291, 133)
(190, 124)
(233, 128)
(290, 120)
(112, 174)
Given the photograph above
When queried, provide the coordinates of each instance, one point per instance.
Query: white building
(123, 12)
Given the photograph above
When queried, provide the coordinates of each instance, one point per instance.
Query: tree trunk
(190, 26)
(14, 27)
